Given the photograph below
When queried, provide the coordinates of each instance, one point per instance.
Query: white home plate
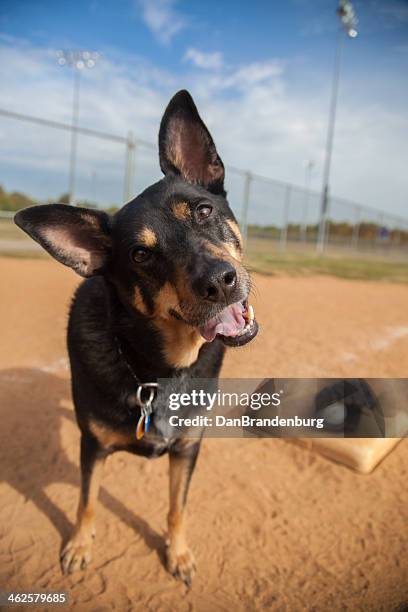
(361, 454)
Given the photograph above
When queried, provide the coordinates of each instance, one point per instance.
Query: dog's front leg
(76, 554)
(180, 561)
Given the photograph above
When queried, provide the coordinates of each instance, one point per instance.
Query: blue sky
(243, 31)
(260, 73)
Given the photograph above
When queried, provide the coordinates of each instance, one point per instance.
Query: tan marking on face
(235, 230)
(181, 211)
(233, 249)
(215, 250)
(148, 237)
(138, 301)
(108, 437)
(228, 252)
(165, 300)
(184, 290)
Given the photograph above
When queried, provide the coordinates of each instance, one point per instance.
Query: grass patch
(21, 254)
(341, 267)
(299, 259)
(10, 231)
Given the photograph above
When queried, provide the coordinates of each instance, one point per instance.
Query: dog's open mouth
(235, 325)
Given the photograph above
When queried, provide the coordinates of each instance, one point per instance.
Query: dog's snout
(218, 284)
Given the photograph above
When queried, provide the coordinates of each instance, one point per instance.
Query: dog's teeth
(251, 313)
(245, 329)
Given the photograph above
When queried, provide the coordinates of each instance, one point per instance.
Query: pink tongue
(229, 322)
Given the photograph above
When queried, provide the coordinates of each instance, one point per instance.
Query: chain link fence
(112, 169)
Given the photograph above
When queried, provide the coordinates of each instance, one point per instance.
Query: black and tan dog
(167, 291)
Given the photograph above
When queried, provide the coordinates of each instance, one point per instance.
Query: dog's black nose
(218, 285)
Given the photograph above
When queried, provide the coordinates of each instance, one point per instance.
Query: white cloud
(162, 19)
(260, 120)
(253, 74)
(208, 61)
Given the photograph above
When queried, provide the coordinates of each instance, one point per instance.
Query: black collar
(145, 395)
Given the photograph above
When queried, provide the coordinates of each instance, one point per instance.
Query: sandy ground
(273, 526)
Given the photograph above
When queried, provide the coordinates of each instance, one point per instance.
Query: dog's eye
(140, 254)
(203, 212)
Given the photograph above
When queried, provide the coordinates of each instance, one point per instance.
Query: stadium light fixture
(348, 18)
(78, 60)
(348, 24)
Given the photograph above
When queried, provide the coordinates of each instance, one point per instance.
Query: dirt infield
(273, 526)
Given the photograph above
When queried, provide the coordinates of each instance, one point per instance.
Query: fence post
(129, 177)
(397, 231)
(284, 230)
(324, 221)
(380, 226)
(356, 229)
(245, 206)
(303, 228)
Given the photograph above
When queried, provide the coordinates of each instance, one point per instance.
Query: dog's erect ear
(77, 237)
(186, 146)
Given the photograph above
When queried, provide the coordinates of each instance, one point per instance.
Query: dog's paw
(77, 553)
(181, 565)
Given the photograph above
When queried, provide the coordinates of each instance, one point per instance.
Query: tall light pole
(78, 60)
(309, 165)
(348, 24)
